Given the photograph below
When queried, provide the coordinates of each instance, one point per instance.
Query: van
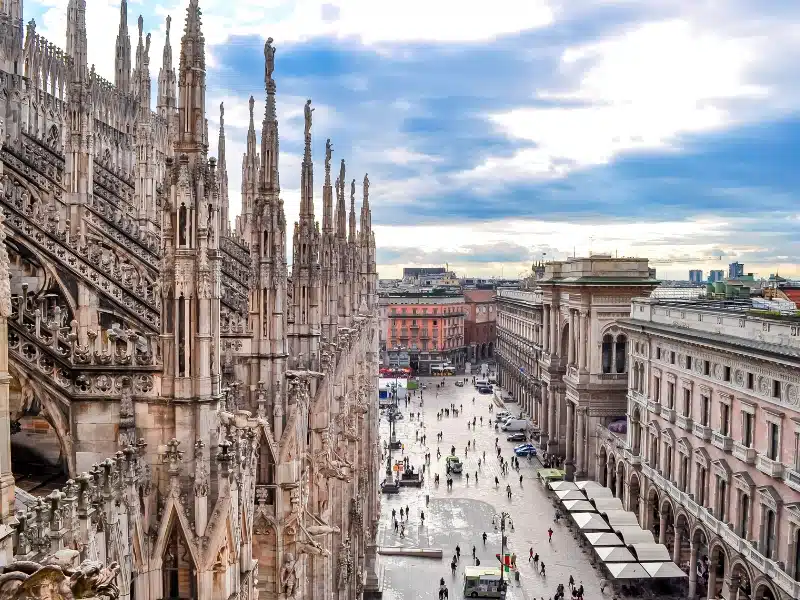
(481, 383)
(483, 582)
(515, 425)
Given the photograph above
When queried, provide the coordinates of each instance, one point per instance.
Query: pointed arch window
(608, 344)
(621, 354)
(178, 571)
(182, 224)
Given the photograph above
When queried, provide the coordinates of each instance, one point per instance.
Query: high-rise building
(696, 276)
(716, 275)
(735, 270)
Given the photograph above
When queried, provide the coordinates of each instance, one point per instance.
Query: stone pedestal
(373, 587)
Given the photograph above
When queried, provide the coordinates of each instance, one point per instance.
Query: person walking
(536, 560)
(496, 481)
(520, 481)
(422, 516)
(508, 491)
(541, 571)
(401, 513)
(394, 513)
(530, 555)
(403, 530)
(571, 582)
(468, 478)
(458, 552)
(484, 536)
(473, 552)
(550, 534)
(396, 526)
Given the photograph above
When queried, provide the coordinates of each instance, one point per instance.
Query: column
(581, 341)
(662, 529)
(570, 430)
(543, 424)
(571, 348)
(552, 442)
(609, 475)
(546, 327)
(693, 572)
(553, 329)
(712, 577)
(620, 485)
(580, 466)
(676, 547)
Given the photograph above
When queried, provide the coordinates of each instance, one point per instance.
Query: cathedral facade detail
(213, 405)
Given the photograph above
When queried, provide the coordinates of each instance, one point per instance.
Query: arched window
(769, 535)
(621, 353)
(608, 343)
(744, 515)
(182, 222)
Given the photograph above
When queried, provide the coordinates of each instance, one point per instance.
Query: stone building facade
(569, 326)
(480, 324)
(711, 458)
(214, 412)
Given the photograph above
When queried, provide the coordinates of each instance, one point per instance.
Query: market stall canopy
(561, 485)
(620, 518)
(647, 552)
(663, 570)
(606, 504)
(582, 485)
(635, 535)
(627, 571)
(614, 554)
(570, 495)
(590, 522)
(598, 492)
(550, 474)
(604, 539)
(579, 506)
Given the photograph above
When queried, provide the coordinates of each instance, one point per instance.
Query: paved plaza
(460, 516)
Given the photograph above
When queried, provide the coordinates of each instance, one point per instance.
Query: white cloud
(642, 90)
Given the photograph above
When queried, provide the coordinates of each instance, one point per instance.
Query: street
(460, 516)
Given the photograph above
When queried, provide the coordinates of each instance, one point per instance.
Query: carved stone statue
(289, 579)
(366, 185)
(27, 580)
(353, 191)
(307, 114)
(269, 59)
(328, 153)
(328, 462)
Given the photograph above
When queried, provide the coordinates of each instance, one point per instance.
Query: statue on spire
(222, 115)
(307, 113)
(328, 152)
(353, 192)
(269, 59)
(366, 185)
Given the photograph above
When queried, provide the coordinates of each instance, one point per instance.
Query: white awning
(614, 554)
(562, 485)
(604, 539)
(590, 522)
(606, 504)
(582, 485)
(570, 495)
(598, 492)
(627, 571)
(663, 570)
(635, 535)
(650, 552)
(620, 518)
(579, 506)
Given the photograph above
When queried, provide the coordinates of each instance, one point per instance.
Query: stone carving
(328, 462)
(289, 579)
(269, 59)
(345, 562)
(127, 426)
(54, 579)
(307, 114)
(328, 152)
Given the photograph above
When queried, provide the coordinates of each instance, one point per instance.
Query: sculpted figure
(289, 580)
(269, 59)
(328, 154)
(27, 580)
(307, 114)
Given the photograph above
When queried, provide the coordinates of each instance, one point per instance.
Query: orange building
(429, 327)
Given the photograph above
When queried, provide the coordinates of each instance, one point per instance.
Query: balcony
(745, 454)
(723, 442)
(768, 466)
(685, 423)
(668, 413)
(702, 431)
(654, 407)
(792, 479)
(631, 458)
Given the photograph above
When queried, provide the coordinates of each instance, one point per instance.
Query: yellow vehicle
(483, 582)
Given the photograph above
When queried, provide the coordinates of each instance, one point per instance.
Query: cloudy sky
(498, 133)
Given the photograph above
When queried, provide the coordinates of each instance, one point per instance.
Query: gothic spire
(166, 78)
(122, 54)
(307, 171)
(222, 170)
(341, 209)
(327, 192)
(269, 128)
(76, 38)
(249, 176)
(352, 236)
(192, 82)
(366, 213)
(141, 74)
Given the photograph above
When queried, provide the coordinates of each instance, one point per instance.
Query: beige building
(711, 458)
(214, 413)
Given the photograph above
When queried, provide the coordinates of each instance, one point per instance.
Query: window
(724, 415)
(750, 381)
(656, 389)
(773, 447)
(776, 389)
(658, 353)
(705, 408)
(687, 403)
(727, 374)
(744, 515)
(722, 500)
(747, 429)
(796, 461)
(769, 534)
(672, 358)
(608, 343)
(670, 395)
(700, 492)
(706, 367)
(688, 362)
(621, 353)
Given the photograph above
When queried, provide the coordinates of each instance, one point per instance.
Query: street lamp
(503, 516)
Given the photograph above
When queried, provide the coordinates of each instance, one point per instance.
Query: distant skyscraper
(716, 276)
(735, 270)
(696, 276)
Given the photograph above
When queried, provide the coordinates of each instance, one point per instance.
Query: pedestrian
(479, 463)
(536, 560)
(513, 560)
(550, 534)
(394, 513)
(484, 538)
(467, 478)
(571, 582)
(403, 530)
(473, 552)
(476, 478)
(496, 481)
(603, 585)
(422, 516)
(520, 481)
(508, 491)
(453, 565)
(408, 512)
(542, 569)
(530, 555)
(458, 552)
(401, 513)
(395, 525)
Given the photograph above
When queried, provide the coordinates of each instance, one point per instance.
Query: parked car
(525, 450)
(516, 437)
(459, 384)
(501, 416)
(484, 390)
(455, 464)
